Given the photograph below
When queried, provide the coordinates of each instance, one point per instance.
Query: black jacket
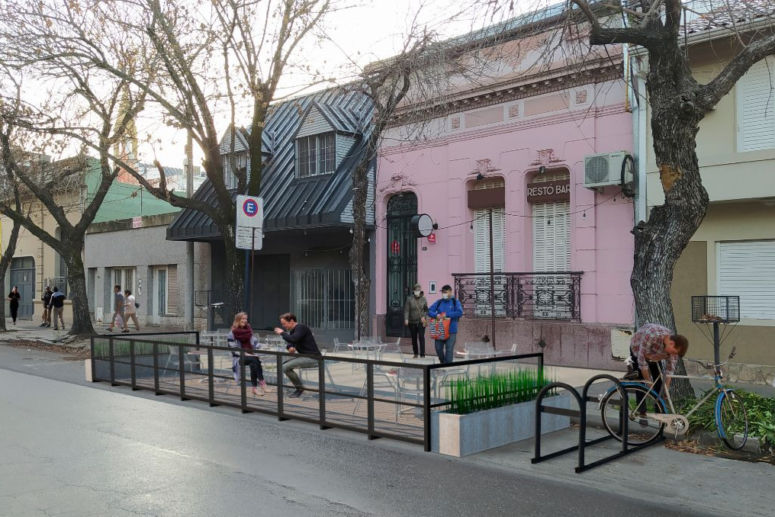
(301, 339)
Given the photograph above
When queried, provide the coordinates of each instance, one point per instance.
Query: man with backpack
(57, 307)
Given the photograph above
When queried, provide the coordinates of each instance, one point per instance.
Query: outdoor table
(367, 348)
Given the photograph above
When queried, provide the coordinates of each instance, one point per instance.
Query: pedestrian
(46, 298)
(299, 340)
(57, 307)
(415, 317)
(14, 298)
(118, 307)
(241, 336)
(130, 310)
(446, 307)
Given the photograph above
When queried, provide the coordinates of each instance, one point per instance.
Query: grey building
(135, 254)
(311, 145)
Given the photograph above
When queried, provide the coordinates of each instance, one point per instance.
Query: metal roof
(292, 202)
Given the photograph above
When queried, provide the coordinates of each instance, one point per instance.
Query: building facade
(733, 251)
(503, 172)
(310, 145)
(135, 254)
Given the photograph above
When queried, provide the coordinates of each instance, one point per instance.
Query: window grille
(324, 298)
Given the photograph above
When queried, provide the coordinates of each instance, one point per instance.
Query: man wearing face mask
(415, 313)
(448, 307)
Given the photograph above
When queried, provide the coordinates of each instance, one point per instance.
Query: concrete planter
(460, 435)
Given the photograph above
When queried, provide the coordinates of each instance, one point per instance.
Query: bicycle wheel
(641, 428)
(731, 420)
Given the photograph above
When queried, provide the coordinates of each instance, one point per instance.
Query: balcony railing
(533, 296)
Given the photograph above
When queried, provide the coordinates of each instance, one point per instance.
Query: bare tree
(82, 109)
(193, 61)
(9, 194)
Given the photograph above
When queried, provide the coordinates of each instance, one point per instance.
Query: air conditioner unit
(603, 170)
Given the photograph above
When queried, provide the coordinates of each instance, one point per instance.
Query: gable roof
(291, 202)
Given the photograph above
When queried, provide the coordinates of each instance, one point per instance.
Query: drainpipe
(640, 133)
(189, 308)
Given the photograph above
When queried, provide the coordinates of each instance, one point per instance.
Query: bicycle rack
(582, 415)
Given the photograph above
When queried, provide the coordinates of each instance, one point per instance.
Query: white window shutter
(755, 96)
(482, 239)
(551, 236)
(747, 269)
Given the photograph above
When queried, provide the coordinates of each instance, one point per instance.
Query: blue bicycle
(649, 416)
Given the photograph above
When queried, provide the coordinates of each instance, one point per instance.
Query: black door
(271, 290)
(23, 276)
(401, 260)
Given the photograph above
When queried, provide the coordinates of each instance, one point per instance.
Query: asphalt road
(67, 448)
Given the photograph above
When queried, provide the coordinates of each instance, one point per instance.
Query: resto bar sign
(549, 191)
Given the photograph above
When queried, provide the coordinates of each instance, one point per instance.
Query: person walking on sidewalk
(57, 307)
(241, 336)
(46, 299)
(14, 298)
(415, 314)
(447, 307)
(130, 310)
(118, 308)
(299, 340)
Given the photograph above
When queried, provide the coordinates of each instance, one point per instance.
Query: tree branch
(710, 94)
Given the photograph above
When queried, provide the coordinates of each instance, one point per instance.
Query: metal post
(182, 371)
(93, 362)
(370, 400)
(112, 356)
(242, 387)
(132, 374)
(247, 279)
(426, 407)
(252, 270)
(322, 391)
(716, 344)
(210, 386)
(189, 308)
(280, 402)
(492, 283)
(156, 368)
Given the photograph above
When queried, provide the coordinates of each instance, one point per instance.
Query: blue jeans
(445, 349)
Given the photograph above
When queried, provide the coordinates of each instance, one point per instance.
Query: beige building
(733, 251)
(35, 265)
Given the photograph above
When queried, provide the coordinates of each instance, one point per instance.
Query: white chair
(174, 359)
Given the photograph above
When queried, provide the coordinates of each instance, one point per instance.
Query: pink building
(518, 150)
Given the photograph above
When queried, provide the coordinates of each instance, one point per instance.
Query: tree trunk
(76, 278)
(361, 282)
(660, 241)
(5, 261)
(234, 275)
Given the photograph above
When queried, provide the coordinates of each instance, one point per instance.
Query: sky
(350, 37)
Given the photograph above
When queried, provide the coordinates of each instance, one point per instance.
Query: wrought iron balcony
(533, 296)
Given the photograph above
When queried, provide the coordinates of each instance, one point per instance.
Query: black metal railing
(362, 395)
(532, 296)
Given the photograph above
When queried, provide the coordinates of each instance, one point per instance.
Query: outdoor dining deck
(376, 389)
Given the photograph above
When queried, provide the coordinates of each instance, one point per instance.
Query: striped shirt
(648, 344)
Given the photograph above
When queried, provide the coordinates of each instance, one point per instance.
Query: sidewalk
(30, 330)
(690, 482)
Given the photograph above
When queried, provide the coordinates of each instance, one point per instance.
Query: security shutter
(747, 269)
(755, 95)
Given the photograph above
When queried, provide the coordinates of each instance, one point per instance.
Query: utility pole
(492, 281)
(189, 308)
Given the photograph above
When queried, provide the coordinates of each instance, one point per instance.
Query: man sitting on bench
(299, 340)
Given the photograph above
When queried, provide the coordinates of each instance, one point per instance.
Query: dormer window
(316, 154)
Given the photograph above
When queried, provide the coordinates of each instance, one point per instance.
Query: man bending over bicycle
(653, 343)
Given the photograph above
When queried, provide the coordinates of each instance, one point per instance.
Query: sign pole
(252, 270)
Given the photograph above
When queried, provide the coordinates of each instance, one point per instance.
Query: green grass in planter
(497, 390)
